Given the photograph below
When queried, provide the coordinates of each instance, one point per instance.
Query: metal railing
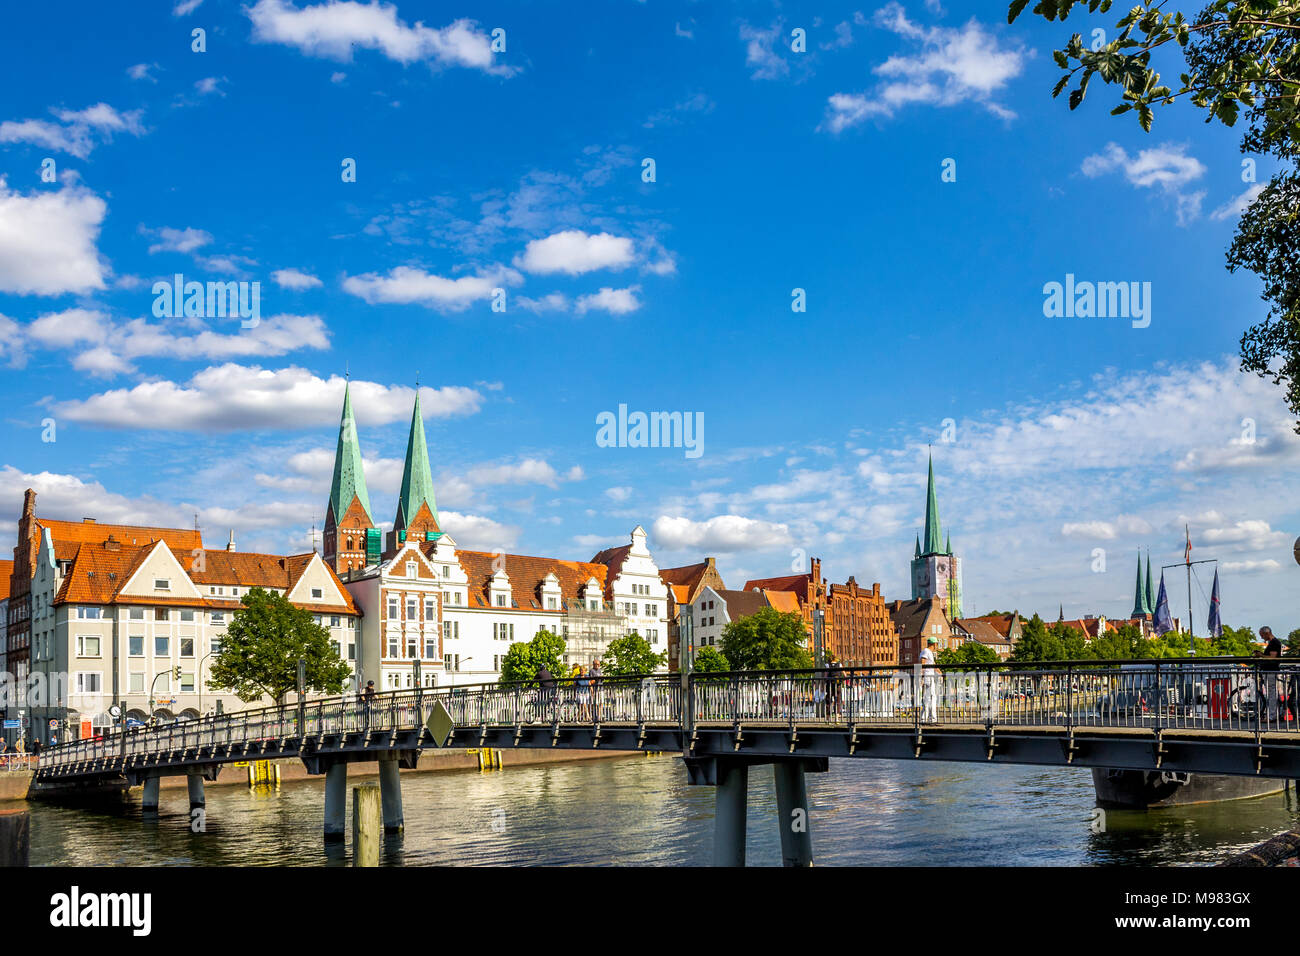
(1245, 696)
(12, 761)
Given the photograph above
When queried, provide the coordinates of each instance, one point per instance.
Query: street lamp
(154, 683)
(200, 679)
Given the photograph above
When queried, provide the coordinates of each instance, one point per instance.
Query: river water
(640, 811)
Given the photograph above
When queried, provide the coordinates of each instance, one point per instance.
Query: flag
(1216, 625)
(1187, 552)
(1162, 622)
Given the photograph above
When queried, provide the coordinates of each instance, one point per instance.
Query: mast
(1187, 556)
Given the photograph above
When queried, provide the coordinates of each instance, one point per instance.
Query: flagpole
(1187, 556)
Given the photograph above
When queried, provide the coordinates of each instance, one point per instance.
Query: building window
(446, 570)
(187, 683)
(161, 614)
(410, 569)
(501, 600)
(162, 647)
(551, 604)
(135, 645)
(450, 630)
(430, 647)
(392, 608)
(83, 613)
(162, 584)
(135, 684)
(87, 645)
(412, 609)
(218, 617)
(392, 646)
(430, 609)
(334, 620)
(187, 646)
(317, 594)
(137, 614)
(352, 652)
(187, 616)
(89, 682)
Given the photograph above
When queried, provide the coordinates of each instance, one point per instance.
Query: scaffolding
(587, 631)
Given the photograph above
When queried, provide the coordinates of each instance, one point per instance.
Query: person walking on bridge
(546, 690)
(929, 712)
(1269, 668)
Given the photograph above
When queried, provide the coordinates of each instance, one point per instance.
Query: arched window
(349, 544)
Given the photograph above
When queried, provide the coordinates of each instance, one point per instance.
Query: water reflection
(640, 811)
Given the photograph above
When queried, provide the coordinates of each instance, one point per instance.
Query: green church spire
(1151, 593)
(1141, 605)
(417, 479)
(349, 476)
(918, 547)
(933, 535)
(947, 547)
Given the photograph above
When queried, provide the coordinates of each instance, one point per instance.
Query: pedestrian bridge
(1228, 717)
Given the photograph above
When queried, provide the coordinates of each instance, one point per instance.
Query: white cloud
(575, 252)
(76, 132)
(477, 533)
(1251, 567)
(294, 279)
(723, 533)
(209, 85)
(235, 397)
(760, 51)
(1166, 168)
(551, 302)
(142, 71)
(619, 493)
(954, 65)
(613, 301)
(185, 240)
(530, 471)
(1235, 207)
(48, 241)
(333, 30)
(185, 7)
(405, 285)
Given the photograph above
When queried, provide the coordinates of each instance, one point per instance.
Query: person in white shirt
(929, 710)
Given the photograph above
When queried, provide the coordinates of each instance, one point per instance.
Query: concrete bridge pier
(195, 783)
(390, 793)
(793, 814)
(731, 797)
(149, 801)
(336, 801)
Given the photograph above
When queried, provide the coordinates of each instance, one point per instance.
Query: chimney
(87, 520)
(230, 545)
(112, 544)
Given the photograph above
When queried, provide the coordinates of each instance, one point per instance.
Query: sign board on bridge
(440, 724)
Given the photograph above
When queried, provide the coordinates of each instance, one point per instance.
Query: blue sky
(522, 170)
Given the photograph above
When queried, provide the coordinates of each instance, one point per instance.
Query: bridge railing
(1250, 695)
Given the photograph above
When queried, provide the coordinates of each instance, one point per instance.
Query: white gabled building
(119, 610)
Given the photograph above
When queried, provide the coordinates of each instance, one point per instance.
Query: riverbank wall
(16, 785)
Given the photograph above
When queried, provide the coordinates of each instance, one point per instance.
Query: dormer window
(501, 600)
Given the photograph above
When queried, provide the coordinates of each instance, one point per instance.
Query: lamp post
(200, 679)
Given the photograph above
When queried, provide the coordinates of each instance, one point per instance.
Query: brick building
(859, 630)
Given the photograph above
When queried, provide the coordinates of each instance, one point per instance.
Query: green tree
(523, 661)
(1243, 60)
(766, 640)
(708, 660)
(631, 655)
(971, 652)
(263, 643)
(1036, 643)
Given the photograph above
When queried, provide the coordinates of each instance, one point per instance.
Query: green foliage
(767, 640)
(523, 661)
(708, 660)
(1243, 60)
(971, 652)
(261, 648)
(631, 655)
(1036, 643)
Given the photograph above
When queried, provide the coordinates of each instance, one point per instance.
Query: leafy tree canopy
(708, 660)
(766, 640)
(523, 661)
(631, 655)
(261, 648)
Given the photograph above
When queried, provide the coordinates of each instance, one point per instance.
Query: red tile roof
(526, 574)
(135, 536)
(798, 583)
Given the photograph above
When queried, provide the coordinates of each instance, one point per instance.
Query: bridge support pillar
(195, 783)
(731, 798)
(149, 802)
(336, 801)
(792, 812)
(390, 794)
